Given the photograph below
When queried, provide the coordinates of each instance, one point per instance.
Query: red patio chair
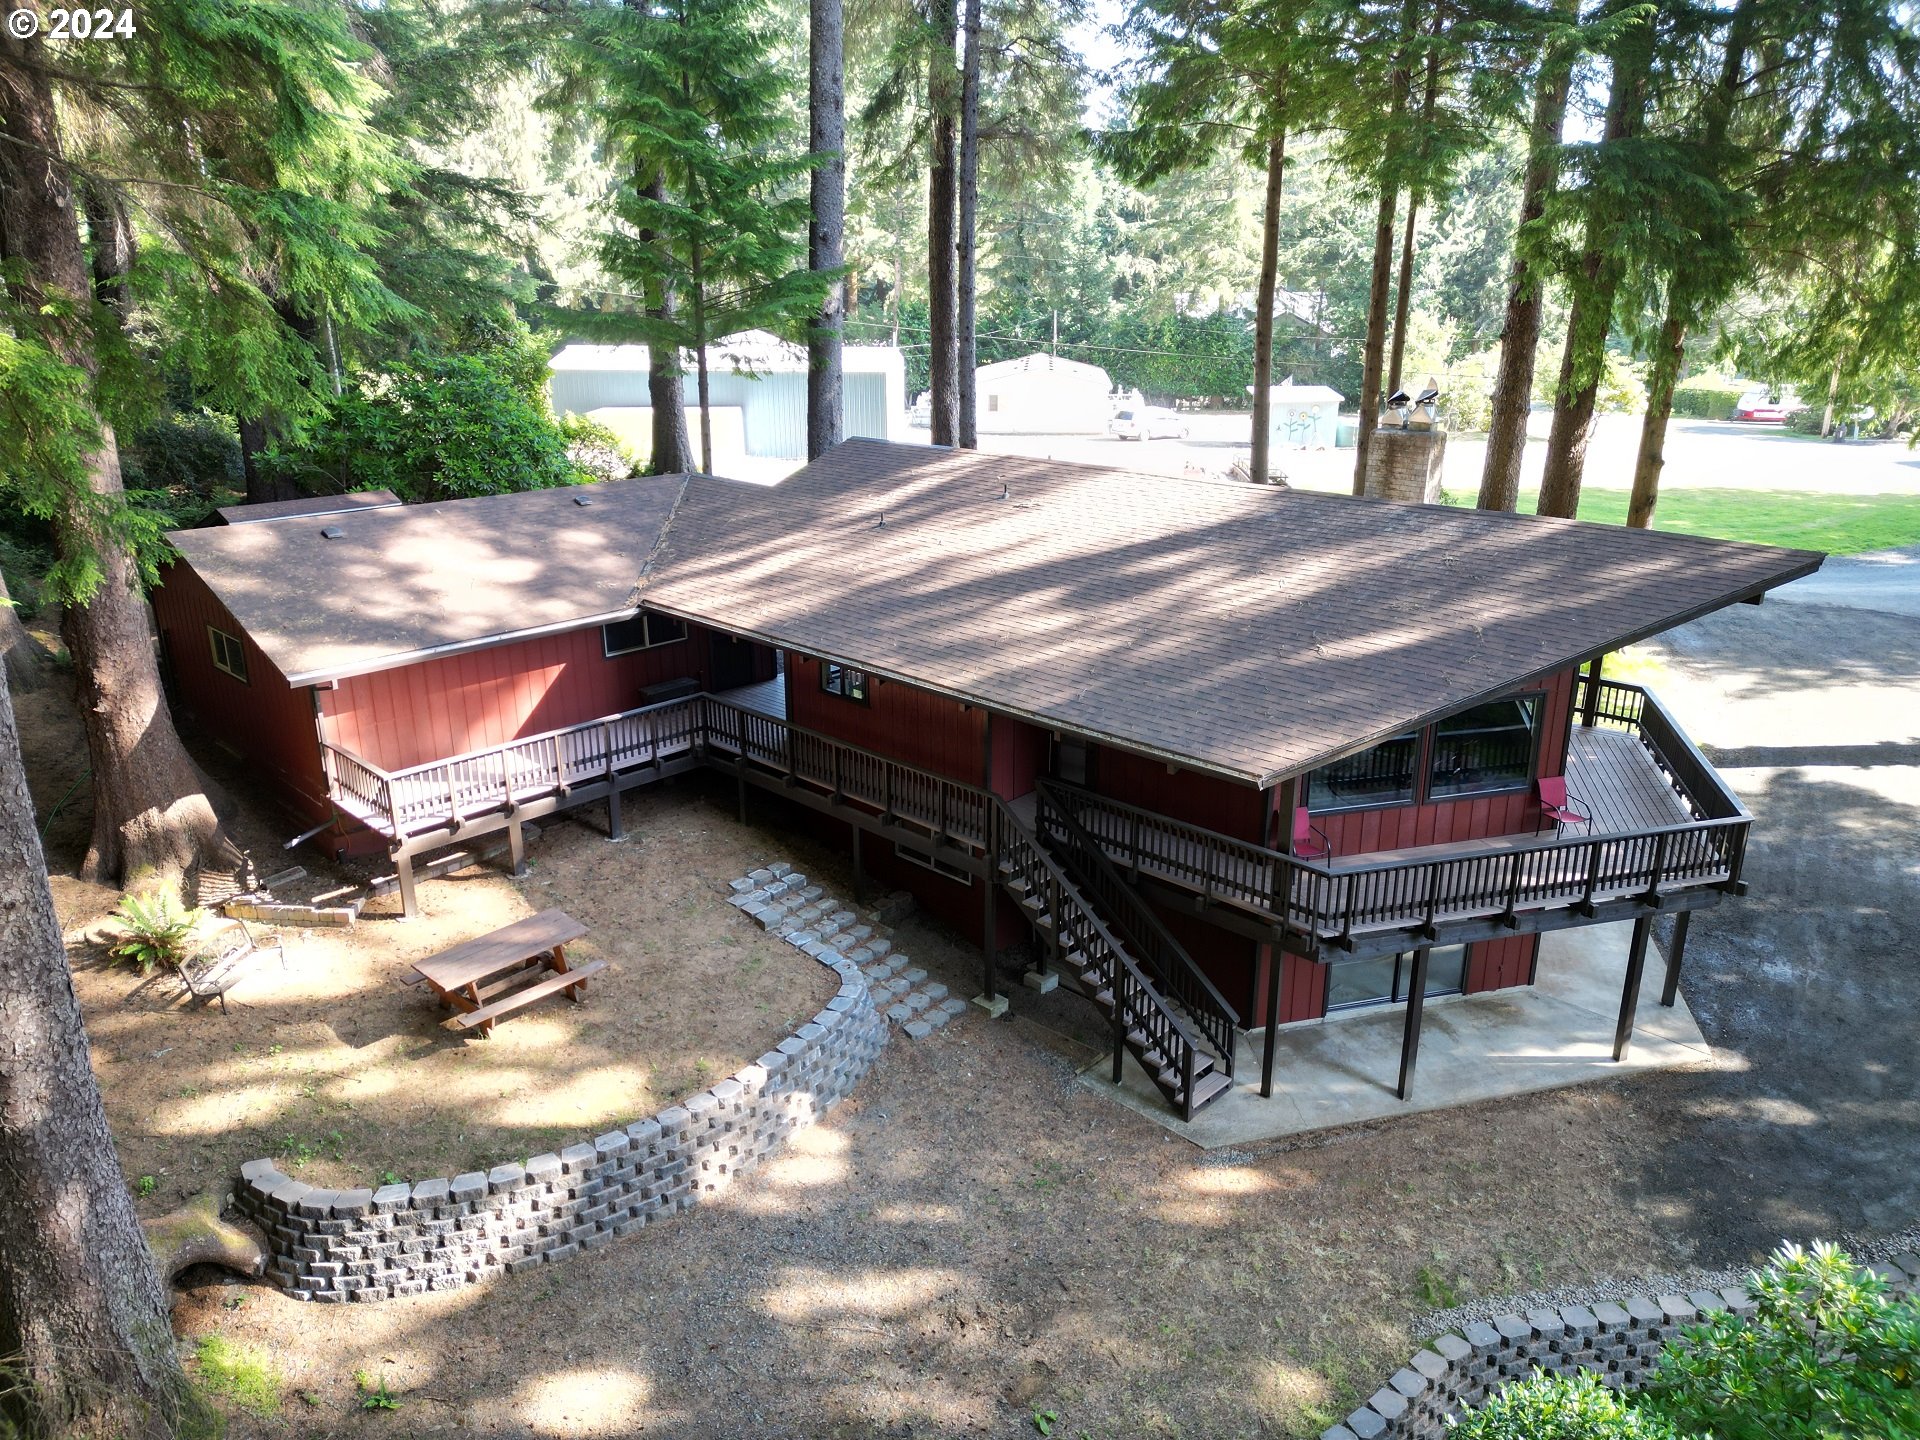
(1309, 840)
(1558, 806)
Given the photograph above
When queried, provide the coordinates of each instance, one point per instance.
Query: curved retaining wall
(1622, 1341)
(362, 1245)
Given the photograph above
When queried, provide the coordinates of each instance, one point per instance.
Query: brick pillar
(1406, 465)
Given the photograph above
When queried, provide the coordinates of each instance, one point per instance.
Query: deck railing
(1173, 971)
(1320, 902)
(1141, 1018)
(1334, 902)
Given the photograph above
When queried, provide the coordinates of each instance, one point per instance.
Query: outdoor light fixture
(1426, 409)
(1399, 402)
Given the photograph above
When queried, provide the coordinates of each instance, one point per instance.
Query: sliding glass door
(1388, 979)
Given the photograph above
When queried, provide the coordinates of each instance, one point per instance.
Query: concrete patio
(1342, 1070)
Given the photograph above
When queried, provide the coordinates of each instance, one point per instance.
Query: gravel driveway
(1810, 704)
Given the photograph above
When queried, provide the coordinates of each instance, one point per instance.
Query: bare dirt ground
(339, 1070)
(976, 1239)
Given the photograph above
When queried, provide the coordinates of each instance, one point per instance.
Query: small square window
(642, 632)
(844, 681)
(228, 654)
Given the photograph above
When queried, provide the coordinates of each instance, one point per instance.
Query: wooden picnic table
(483, 978)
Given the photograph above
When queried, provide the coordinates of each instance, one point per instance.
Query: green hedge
(1707, 397)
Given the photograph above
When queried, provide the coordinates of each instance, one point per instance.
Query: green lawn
(1839, 524)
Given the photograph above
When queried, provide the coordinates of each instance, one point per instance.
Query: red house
(1234, 757)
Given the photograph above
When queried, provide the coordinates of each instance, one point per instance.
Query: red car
(1757, 405)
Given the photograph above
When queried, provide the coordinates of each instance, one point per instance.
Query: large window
(1388, 979)
(642, 632)
(1383, 775)
(228, 654)
(1489, 747)
(844, 681)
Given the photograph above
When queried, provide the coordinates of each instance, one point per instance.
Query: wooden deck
(1616, 781)
(768, 698)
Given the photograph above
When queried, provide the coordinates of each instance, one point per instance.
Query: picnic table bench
(484, 978)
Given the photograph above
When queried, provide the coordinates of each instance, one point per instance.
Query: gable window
(643, 632)
(1383, 775)
(1487, 748)
(844, 681)
(228, 654)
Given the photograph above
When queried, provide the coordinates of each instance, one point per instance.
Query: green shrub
(1561, 1407)
(1827, 1353)
(1707, 397)
(1805, 422)
(596, 452)
(153, 931)
(185, 452)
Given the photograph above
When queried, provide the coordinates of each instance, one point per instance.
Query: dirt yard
(977, 1239)
(342, 1072)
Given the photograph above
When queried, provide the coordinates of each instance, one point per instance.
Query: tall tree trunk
(1689, 295)
(942, 303)
(109, 245)
(1833, 398)
(83, 1318)
(965, 353)
(25, 662)
(1403, 293)
(1260, 462)
(827, 140)
(1374, 355)
(700, 360)
(151, 817)
(672, 454)
(1584, 360)
(1651, 458)
(1520, 336)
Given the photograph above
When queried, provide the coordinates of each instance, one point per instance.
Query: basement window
(844, 681)
(644, 631)
(926, 860)
(228, 654)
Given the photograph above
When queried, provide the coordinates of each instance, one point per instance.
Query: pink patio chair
(1558, 806)
(1309, 840)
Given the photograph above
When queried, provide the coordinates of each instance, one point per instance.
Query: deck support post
(740, 786)
(1630, 993)
(1590, 707)
(615, 830)
(409, 902)
(517, 847)
(1410, 1036)
(990, 934)
(1676, 948)
(1276, 962)
(859, 868)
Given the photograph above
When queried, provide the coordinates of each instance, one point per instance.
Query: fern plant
(154, 931)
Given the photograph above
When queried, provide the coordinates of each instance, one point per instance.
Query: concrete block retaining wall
(1622, 1341)
(361, 1245)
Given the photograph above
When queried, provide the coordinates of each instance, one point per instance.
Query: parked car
(1147, 422)
(1762, 408)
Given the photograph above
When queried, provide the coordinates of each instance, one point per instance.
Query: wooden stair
(1093, 977)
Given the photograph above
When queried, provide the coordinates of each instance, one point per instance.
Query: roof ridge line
(659, 541)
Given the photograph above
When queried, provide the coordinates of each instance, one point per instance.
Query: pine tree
(693, 100)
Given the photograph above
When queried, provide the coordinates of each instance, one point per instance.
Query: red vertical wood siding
(457, 703)
(262, 717)
(916, 726)
(1019, 756)
(1206, 800)
(1475, 817)
(1497, 964)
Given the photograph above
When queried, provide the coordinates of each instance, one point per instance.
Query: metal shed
(757, 375)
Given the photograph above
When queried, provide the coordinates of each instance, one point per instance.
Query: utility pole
(1055, 351)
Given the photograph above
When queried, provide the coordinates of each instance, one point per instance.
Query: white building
(757, 390)
(1042, 394)
(1302, 417)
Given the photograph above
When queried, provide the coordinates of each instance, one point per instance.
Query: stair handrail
(1168, 959)
(1134, 996)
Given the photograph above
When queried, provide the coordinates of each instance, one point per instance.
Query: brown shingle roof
(408, 579)
(1251, 632)
(307, 505)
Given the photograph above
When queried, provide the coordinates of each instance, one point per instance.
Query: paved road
(1810, 987)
